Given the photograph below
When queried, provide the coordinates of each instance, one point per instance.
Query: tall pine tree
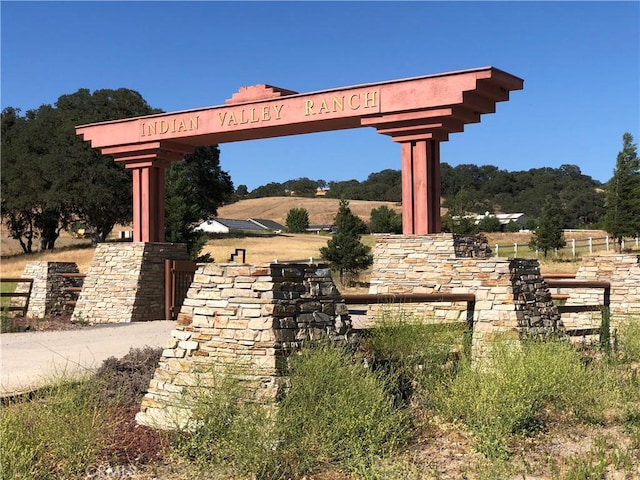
(622, 217)
(345, 252)
(549, 233)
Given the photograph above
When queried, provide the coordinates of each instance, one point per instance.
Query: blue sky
(580, 62)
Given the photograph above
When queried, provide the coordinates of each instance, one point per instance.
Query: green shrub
(231, 431)
(54, 436)
(629, 340)
(336, 411)
(518, 386)
(418, 354)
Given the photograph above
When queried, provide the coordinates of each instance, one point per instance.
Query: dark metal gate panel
(178, 276)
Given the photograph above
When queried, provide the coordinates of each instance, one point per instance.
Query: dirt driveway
(30, 359)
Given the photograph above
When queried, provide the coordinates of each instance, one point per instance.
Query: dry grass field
(321, 210)
(285, 247)
(258, 249)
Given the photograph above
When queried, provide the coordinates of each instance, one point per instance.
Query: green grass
(64, 430)
(7, 287)
(419, 354)
(57, 435)
(351, 411)
(335, 411)
(518, 387)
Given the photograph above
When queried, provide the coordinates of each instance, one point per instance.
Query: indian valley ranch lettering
(169, 126)
(338, 103)
(323, 106)
(250, 115)
(231, 117)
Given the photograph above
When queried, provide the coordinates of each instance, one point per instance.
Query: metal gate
(178, 275)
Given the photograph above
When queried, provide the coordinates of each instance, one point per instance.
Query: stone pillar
(421, 187)
(47, 294)
(243, 320)
(125, 282)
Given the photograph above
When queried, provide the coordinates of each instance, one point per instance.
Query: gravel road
(30, 359)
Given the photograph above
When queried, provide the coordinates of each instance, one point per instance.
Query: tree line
(52, 180)
(481, 188)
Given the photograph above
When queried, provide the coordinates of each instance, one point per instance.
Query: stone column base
(47, 295)
(241, 321)
(125, 282)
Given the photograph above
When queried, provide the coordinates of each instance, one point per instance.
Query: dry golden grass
(268, 249)
(523, 238)
(13, 266)
(321, 210)
(260, 249)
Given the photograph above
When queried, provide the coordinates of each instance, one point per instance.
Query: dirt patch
(24, 324)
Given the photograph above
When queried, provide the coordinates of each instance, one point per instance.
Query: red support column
(148, 203)
(161, 198)
(433, 186)
(421, 187)
(145, 205)
(137, 204)
(148, 162)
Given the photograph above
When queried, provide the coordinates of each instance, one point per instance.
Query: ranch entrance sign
(418, 113)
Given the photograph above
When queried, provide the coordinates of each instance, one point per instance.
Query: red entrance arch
(418, 113)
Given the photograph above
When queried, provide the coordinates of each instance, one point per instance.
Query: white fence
(574, 248)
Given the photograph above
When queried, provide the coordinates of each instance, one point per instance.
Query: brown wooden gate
(178, 275)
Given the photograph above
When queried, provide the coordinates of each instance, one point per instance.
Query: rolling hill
(321, 210)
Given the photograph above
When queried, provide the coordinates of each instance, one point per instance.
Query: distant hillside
(321, 210)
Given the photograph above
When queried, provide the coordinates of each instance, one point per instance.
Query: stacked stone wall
(622, 271)
(48, 297)
(125, 282)
(536, 312)
(243, 319)
(511, 297)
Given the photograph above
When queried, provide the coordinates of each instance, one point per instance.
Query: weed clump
(518, 387)
(418, 355)
(126, 380)
(62, 430)
(335, 412)
(55, 435)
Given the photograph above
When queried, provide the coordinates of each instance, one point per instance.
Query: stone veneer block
(622, 271)
(47, 295)
(244, 320)
(125, 282)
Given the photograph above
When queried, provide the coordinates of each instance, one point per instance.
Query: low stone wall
(511, 297)
(622, 271)
(47, 297)
(125, 282)
(243, 319)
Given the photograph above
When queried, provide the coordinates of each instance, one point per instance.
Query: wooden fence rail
(74, 291)
(26, 295)
(389, 298)
(568, 282)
